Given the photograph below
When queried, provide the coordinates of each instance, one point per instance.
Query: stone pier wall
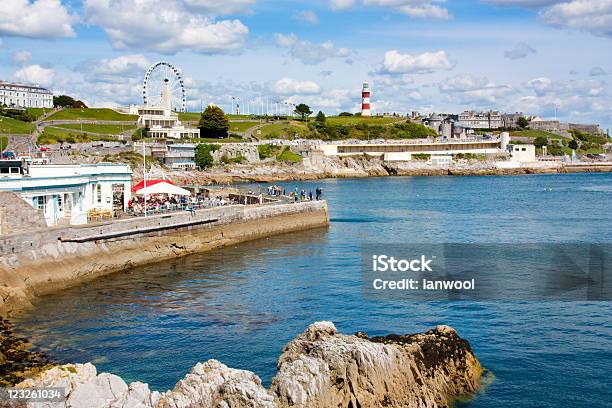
(39, 262)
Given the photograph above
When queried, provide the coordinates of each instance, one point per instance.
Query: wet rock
(17, 359)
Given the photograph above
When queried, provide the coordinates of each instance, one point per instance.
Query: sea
(241, 304)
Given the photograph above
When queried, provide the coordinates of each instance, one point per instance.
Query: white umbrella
(163, 188)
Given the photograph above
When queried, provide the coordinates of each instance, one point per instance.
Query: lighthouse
(365, 100)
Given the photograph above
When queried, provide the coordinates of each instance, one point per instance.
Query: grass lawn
(189, 116)
(213, 140)
(38, 112)
(103, 129)
(353, 120)
(288, 156)
(241, 126)
(14, 126)
(535, 133)
(91, 114)
(53, 135)
(280, 130)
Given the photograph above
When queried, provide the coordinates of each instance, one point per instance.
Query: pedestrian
(310, 195)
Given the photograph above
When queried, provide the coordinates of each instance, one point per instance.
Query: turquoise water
(242, 304)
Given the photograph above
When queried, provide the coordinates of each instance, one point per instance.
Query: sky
(550, 58)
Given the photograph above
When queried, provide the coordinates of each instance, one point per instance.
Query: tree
(321, 117)
(213, 122)
(303, 110)
(522, 122)
(345, 114)
(66, 101)
(540, 141)
(203, 154)
(572, 144)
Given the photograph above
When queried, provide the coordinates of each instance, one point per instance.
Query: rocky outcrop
(320, 368)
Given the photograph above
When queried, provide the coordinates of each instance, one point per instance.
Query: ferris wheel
(157, 75)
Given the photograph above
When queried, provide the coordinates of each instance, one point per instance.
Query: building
(68, 194)
(25, 96)
(161, 121)
(481, 120)
(521, 153)
(365, 100)
(178, 156)
(401, 150)
(538, 123)
(586, 128)
(510, 120)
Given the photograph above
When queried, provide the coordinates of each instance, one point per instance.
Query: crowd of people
(294, 196)
(160, 203)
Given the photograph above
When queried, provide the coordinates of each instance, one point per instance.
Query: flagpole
(144, 173)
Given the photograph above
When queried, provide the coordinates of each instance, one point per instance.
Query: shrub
(203, 154)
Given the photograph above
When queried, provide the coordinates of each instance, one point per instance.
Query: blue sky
(534, 56)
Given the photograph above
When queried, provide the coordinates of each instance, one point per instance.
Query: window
(99, 193)
(41, 203)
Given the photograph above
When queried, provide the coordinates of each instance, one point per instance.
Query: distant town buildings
(25, 96)
(586, 128)
(481, 120)
(538, 123)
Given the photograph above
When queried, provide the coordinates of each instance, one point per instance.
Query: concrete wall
(47, 260)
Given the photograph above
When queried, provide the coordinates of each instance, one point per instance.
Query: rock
(320, 368)
(215, 385)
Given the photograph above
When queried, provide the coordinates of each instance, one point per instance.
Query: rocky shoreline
(320, 368)
(361, 166)
(17, 360)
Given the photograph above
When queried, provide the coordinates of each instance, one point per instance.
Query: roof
(149, 183)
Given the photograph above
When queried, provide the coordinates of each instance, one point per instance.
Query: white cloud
(396, 63)
(523, 3)
(475, 90)
(124, 64)
(307, 52)
(35, 74)
(290, 86)
(597, 71)
(115, 70)
(221, 7)
(520, 50)
(21, 57)
(579, 88)
(413, 8)
(307, 16)
(164, 27)
(594, 16)
(36, 19)
(342, 4)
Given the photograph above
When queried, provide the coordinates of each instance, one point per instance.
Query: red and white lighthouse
(365, 100)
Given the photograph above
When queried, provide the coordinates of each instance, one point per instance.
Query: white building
(70, 193)
(522, 153)
(25, 96)
(161, 121)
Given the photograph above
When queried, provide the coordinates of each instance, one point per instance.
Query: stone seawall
(43, 261)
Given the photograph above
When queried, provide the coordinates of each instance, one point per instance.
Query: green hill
(92, 114)
(14, 126)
